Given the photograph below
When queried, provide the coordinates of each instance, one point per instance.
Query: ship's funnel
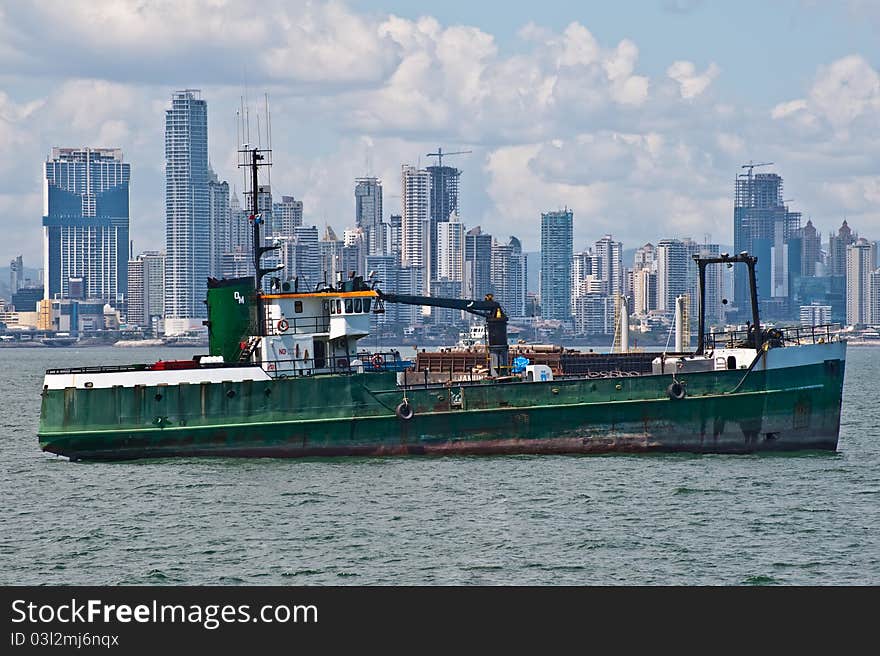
(231, 315)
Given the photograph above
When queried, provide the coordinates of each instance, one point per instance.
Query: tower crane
(751, 165)
(439, 154)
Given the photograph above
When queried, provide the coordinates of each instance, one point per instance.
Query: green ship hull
(788, 403)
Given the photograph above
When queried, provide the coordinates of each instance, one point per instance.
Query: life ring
(676, 391)
(404, 411)
(283, 325)
(377, 361)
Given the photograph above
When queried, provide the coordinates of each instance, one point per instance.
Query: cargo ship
(284, 377)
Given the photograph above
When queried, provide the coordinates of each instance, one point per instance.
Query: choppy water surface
(668, 519)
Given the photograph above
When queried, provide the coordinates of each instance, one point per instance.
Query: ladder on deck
(248, 350)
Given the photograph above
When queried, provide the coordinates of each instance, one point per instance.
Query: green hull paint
(779, 409)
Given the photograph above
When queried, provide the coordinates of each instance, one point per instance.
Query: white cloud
(846, 90)
(788, 108)
(690, 83)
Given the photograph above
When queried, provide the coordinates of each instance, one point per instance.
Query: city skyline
(652, 156)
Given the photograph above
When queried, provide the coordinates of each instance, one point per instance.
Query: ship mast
(258, 157)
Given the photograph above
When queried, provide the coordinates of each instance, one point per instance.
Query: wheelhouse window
(358, 305)
(348, 306)
(338, 306)
(367, 303)
(332, 307)
(298, 306)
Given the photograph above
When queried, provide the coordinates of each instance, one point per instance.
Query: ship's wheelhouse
(314, 332)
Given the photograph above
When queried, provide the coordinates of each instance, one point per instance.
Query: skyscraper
(811, 247)
(187, 214)
(860, 258)
(556, 252)
(415, 224)
(444, 203)
(219, 222)
(85, 225)
(761, 223)
(837, 245)
(368, 214)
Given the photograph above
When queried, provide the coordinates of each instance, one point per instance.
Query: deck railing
(776, 336)
(371, 362)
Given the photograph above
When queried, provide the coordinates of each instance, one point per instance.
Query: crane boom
(489, 309)
(439, 154)
(751, 165)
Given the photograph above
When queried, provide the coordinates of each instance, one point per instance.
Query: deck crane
(488, 308)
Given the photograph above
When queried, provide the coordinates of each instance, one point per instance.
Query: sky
(636, 115)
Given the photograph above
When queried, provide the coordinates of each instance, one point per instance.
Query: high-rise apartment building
(860, 258)
(556, 251)
(368, 214)
(187, 212)
(672, 274)
(584, 276)
(644, 291)
(287, 215)
(301, 257)
(874, 296)
(415, 223)
(450, 250)
(146, 289)
(609, 263)
(762, 225)
(395, 236)
(645, 258)
(355, 248)
(714, 290)
(509, 277)
(477, 264)
(86, 223)
(815, 314)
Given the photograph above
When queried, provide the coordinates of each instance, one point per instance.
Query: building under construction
(763, 226)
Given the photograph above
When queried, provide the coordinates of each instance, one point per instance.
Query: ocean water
(810, 518)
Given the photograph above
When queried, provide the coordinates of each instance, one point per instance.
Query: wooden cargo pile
(561, 361)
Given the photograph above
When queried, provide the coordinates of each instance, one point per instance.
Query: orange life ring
(283, 325)
(377, 361)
